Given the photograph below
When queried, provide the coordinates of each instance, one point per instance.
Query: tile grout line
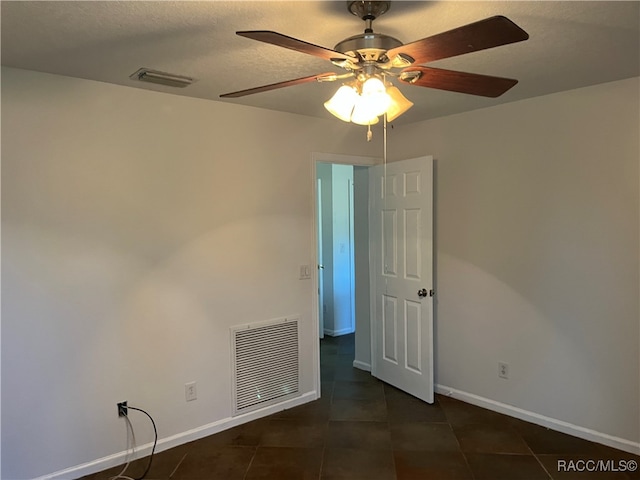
(513, 428)
(537, 459)
(255, 452)
(178, 465)
(464, 455)
(324, 449)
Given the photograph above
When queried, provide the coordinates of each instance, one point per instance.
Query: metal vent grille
(265, 364)
(161, 78)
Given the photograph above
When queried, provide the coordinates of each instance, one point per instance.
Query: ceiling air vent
(161, 78)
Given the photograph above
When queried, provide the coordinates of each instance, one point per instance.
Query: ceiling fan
(376, 55)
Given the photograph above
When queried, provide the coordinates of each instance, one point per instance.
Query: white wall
(537, 212)
(137, 228)
(342, 235)
(337, 246)
(324, 173)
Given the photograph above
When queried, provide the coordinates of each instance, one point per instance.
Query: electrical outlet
(503, 370)
(123, 411)
(190, 392)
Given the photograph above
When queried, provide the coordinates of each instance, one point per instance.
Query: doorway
(353, 304)
(336, 249)
(393, 251)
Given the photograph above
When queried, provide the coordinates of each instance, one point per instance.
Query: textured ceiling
(572, 44)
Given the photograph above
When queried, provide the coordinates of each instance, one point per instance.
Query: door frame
(319, 256)
(356, 160)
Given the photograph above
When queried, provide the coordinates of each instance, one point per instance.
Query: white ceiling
(572, 44)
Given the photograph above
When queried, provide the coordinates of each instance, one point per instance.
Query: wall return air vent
(265, 362)
(161, 78)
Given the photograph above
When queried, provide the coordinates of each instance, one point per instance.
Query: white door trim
(320, 275)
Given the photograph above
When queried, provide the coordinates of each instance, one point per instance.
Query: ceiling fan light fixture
(399, 103)
(363, 102)
(343, 102)
(374, 98)
(362, 114)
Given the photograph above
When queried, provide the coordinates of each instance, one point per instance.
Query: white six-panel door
(401, 234)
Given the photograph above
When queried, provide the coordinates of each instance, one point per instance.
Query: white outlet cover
(190, 391)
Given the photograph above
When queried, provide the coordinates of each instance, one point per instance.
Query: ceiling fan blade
(462, 82)
(291, 43)
(289, 83)
(488, 33)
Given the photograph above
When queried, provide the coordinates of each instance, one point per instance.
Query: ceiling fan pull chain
(369, 133)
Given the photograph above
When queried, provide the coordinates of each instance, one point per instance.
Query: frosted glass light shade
(375, 95)
(398, 105)
(343, 102)
(362, 114)
(364, 108)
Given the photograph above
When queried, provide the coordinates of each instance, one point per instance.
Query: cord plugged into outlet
(123, 410)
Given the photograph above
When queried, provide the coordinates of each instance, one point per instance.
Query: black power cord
(155, 441)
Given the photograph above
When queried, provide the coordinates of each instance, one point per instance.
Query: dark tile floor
(364, 429)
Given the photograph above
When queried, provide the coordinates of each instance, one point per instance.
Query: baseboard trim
(178, 439)
(337, 333)
(362, 365)
(552, 423)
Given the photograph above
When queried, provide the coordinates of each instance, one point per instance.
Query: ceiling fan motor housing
(370, 47)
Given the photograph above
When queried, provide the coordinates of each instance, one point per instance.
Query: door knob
(422, 293)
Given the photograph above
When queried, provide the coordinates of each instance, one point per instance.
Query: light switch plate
(305, 272)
